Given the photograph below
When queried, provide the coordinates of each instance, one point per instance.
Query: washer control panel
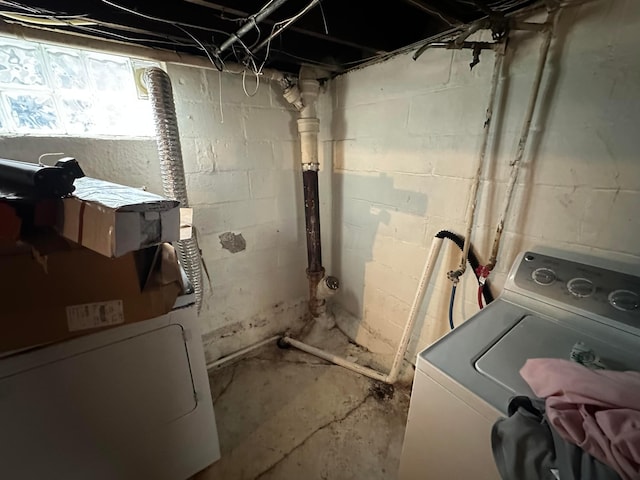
(607, 293)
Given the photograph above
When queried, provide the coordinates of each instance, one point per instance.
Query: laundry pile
(587, 426)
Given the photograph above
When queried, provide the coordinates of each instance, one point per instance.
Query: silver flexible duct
(172, 167)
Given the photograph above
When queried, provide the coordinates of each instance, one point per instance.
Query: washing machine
(131, 402)
(552, 303)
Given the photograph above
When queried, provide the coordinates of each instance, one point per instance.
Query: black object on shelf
(30, 181)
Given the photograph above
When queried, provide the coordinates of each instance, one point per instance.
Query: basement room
(320, 239)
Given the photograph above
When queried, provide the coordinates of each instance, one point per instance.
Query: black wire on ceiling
(498, 6)
(67, 20)
(163, 20)
(163, 40)
(246, 58)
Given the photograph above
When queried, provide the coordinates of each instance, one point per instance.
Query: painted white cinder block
(262, 183)
(611, 218)
(270, 124)
(229, 155)
(260, 155)
(285, 155)
(396, 154)
(217, 187)
(229, 88)
(235, 216)
(578, 187)
(188, 83)
(430, 72)
(356, 121)
(455, 111)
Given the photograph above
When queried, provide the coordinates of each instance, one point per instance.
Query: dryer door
(97, 414)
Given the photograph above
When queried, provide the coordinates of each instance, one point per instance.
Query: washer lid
(538, 337)
(485, 353)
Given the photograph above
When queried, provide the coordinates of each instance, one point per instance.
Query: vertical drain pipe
(305, 98)
(308, 128)
(172, 167)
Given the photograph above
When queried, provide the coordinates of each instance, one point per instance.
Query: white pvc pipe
(392, 377)
(369, 372)
(524, 136)
(229, 358)
(473, 194)
(415, 308)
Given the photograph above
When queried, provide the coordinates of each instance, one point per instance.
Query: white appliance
(128, 403)
(464, 381)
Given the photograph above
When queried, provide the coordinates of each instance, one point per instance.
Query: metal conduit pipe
(280, 27)
(172, 167)
(524, 135)
(473, 194)
(250, 24)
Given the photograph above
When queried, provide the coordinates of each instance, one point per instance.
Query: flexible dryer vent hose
(172, 167)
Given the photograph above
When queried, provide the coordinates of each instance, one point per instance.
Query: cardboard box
(53, 291)
(114, 219)
(186, 223)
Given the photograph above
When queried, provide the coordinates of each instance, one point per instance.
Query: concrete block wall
(404, 141)
(243, 176)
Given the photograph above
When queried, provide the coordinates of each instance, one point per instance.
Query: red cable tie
(483, 273)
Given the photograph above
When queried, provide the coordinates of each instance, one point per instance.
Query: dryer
(131, 402)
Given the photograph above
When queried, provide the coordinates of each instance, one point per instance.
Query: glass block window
(45, 89)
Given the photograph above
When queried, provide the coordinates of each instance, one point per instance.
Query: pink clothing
(598, 410)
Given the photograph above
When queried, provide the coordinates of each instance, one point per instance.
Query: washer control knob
(581, 287)
(624, 300)
(543, 276)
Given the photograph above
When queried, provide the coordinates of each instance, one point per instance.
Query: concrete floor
(285, 415)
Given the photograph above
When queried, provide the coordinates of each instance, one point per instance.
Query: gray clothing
(526, 447)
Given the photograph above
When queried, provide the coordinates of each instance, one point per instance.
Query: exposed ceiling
(337, 34)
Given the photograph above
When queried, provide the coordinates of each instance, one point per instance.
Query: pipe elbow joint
(292, 95)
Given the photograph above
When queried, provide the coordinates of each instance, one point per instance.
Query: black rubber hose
(451, 302)
(473, 260)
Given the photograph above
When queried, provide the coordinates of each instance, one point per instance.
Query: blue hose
(453, 298)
